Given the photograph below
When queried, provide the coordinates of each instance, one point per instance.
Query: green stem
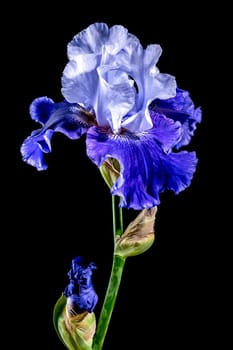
(121, 221)
(113, 284)
(117, 218)
(114, 217)
(109, 301)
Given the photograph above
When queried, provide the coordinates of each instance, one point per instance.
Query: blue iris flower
(115, 94)
(80, 292)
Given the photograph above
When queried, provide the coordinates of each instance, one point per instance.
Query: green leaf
(139, 235)
(76, 331)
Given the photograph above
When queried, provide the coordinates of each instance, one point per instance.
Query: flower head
(129, 111)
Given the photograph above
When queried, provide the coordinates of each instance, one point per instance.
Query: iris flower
(115, 94)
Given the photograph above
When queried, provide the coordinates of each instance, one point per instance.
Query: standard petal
(83, 63)
(86, 81)
(145, 169)
(162, 85)
(180, 108)
(79, 88)
(117, 40)
(60, 117)
(116, 97)
(151, 56)
(80, 79)
(89, 40)
(150, 84)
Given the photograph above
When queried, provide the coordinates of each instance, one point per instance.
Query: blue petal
(33, 149)
(180, 108)
(55, 117)
(166, 131)
(82, 303)
(41, 109)
(145, 169)
(80, 290)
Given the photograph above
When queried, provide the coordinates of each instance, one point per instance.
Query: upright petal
(55, 117)
(89, 40)
(180, 108)
(163, 85)
(117, 40)
(80, 88)
(94, 55)
(88, 77)
(80, 79)
(150, 85)
(116, 97)
(145, 169)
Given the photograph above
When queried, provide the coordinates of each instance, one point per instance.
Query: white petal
(117, 39)
(116, 97)
(151, 55)
(90, 40)
(81, 89)
(138, 122)
(165, 85)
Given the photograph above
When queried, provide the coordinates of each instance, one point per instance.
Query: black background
(168, 294)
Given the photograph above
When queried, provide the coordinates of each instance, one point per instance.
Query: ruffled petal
(97, 52)
(41, 109)
(163, 85)
(89, 40)
(80, 88)
(180, 108)
(116, 96)
(151, 84)
(80, 79)
(145, 169)
(55, 117)
(166, 131)
(118, 36)
(33, 149)
(96, 39)
(88, 77)
(80, 289)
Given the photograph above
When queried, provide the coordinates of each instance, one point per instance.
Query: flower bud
(73, 315)
(110, 171)
(75, 330)
(139, 235)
